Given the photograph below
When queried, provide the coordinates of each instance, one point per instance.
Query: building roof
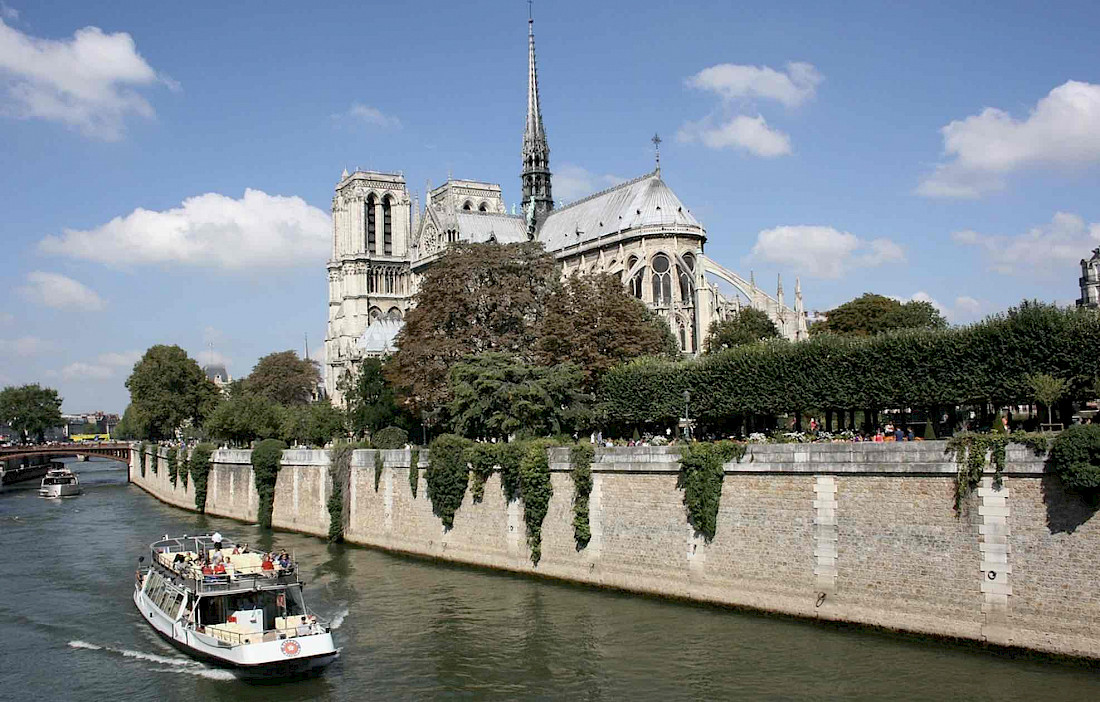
(378, 337)
(214, 371)
(643, 202)
(480, 227)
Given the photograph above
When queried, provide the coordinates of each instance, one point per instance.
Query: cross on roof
(657, 148)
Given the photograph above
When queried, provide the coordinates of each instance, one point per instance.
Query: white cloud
(210, 357)
(732, 81)
(211, 230)
(370, 116)
(823, 252)
(1062, 130)
(750, 133)
(88, 82)
(964, 309)
(59, 291)
(25, 346)
(106, 365)
(1050, 249)
(572, 182)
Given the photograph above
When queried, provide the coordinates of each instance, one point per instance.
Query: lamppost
(687, 422)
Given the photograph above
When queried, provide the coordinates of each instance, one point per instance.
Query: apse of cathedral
(639, 230)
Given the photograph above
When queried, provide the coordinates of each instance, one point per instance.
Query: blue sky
(166, 169)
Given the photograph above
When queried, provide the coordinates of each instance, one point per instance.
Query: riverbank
(861, 533)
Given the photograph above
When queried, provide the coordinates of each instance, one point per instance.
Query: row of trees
(30, 410)
(994, 362)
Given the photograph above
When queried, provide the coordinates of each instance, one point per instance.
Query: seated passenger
(219, 569)
(266, 564)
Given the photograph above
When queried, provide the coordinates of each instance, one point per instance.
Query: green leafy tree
(167, 389)
(315, 424)
(370, 399)
(125, 428)
(284, 378)
(30, 409)
(747, 327)
(496, 395)
(244, 418)
(871, 314)
(477, 298)
(1046, 389)
(592, 322)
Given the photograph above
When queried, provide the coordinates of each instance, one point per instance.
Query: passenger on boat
(266, 563)
(284, 559)
(217, 538)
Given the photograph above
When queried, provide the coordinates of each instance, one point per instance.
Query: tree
(315, 424)
(747, 327)
(476, 298)
(244, 418)
(370, 398)
(284, 378)
(125, 428)
(1046, 389)
(167, 388)
(496, 395)
(594, 323)
(30, 409)
(871, 314)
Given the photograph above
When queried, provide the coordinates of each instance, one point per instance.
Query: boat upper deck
(206, 569)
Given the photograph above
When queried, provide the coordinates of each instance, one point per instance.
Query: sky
(167, 169)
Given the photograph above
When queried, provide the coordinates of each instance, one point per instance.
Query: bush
(390, 438)
(448, 475)
(200, 472)
(266, 461)
(1075, 458)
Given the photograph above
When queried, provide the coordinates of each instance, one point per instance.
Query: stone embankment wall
(862, 533)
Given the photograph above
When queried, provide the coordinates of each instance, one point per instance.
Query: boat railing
(307, 625)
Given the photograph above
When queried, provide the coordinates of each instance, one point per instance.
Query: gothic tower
(536, 152)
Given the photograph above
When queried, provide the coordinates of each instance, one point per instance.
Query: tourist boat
(59, 482)
(246, 613)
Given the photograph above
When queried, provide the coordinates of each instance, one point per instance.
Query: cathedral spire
(537, 198)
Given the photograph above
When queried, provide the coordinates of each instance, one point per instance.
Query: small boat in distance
(232, 606)
(59, 482)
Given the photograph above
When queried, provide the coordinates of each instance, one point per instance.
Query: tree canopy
(245, 417)
(30, 409)
(167, 388)
(370, 399)
(477, 298)
(747, 327)
(284, 378)
(592, 322)
(871, 314)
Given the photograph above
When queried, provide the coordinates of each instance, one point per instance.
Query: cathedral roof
(479, 227)
(643, 202)
(378, 337)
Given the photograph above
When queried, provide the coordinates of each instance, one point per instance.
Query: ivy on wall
(701, 473)
(414, 470)
(971, 450)
(339, 457)
(580, 459)
(184, 466)
(173, 467)
(266, 461)
(155, 465)
(200, 472)
(536, 490)
(483, 461)
(509, 457)
(448, 475)
(379, 464)
(141, 456)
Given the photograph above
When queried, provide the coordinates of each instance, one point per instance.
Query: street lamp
(687, 422)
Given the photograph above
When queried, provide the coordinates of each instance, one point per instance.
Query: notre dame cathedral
(638, 230)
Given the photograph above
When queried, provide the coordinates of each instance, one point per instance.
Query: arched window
(371, 223)
(483, 207)
(387, 226)
(636, 284)
(685, 287)
(394, 314)
(683, 338)
(375, 314)
(662, 280)
(467, 205)
(689, 261)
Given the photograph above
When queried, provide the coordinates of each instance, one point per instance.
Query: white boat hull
(71, 490)
(279, 658)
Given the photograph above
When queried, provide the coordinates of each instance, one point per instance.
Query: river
(414, 629)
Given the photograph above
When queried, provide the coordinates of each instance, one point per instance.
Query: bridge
(11, 457)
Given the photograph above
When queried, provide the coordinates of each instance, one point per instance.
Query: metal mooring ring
(820, 600)
(992, 575)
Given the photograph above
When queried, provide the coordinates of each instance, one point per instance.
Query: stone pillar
(995, 568)
(825, 537)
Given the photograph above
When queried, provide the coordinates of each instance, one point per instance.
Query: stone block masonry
(863, 533)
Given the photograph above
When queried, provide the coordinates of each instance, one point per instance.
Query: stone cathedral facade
(638, 230)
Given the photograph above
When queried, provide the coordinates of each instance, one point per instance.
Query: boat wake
(174, 665)
(339, 619)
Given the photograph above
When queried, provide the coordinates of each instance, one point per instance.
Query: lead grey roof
(642, 202)
(379, 335)
(479, 227)
(215, 370)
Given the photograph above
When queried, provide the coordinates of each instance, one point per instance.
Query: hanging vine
(448, 475)
(580, 459)
(970, 450)
(200, 472)
(483, 460)
(339, 457)
(414, 470)
(141, 456)
(536, 490)
(155, 465)
(184, 466)
(379, 464)
(701, 473)
(266, 461)
(172, 467)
